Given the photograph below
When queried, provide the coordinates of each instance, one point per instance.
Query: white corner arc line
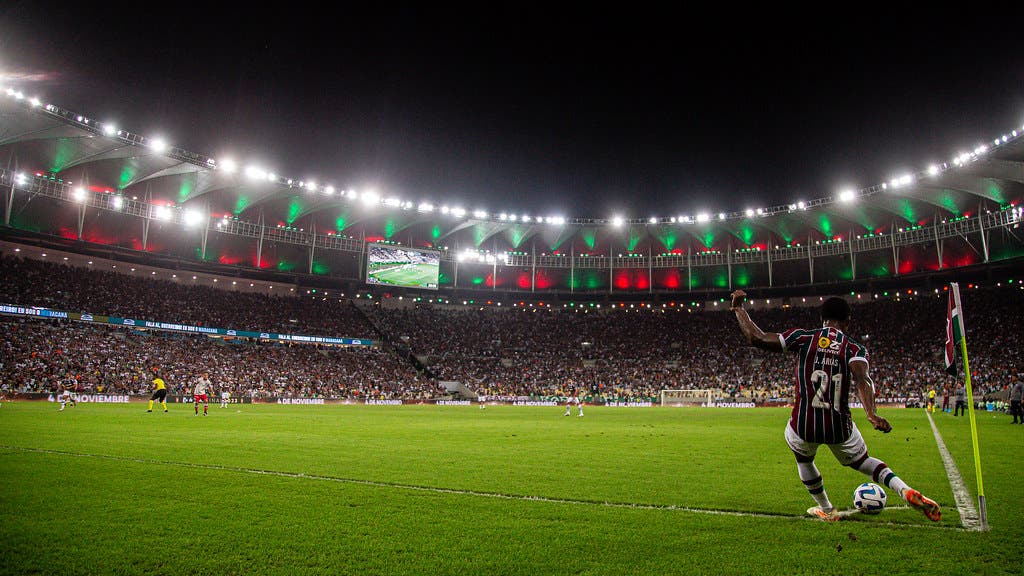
(464, 492)
(969, 518)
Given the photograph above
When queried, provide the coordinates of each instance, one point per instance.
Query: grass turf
(104, 488)
(420, 275)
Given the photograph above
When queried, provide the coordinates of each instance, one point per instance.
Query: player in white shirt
(574, 398)
(66, 394)
(201, 392)
(225, 396)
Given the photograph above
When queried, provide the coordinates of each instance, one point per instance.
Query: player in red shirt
(828, 363)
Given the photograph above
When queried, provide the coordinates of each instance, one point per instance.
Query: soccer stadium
(209, 367)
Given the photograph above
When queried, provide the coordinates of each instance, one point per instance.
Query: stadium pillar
(81, 220)
(728, 262)
(312, 247)
(984, 233)
(810, 259)
(938, 243)
(494, 272)
(145, 220)
(768, 253)
(650, 270)
(259, 243)
(206, 232)
(689, 264)
(10, 194)
(853, 257)
(533, 265)
(572, 267)
(895, 256)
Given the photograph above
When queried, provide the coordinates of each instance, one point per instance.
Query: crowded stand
(497, 352)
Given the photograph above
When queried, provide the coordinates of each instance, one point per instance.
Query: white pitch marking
(965, 507)
(459, 492)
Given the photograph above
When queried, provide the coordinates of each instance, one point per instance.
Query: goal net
(692, 397)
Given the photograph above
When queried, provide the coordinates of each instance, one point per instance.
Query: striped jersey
(821, 413)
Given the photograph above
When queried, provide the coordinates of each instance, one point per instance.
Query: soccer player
(574, 398)
(159, 392)
(201, 392)
(66, 394)
(931, 400)
(225, 397)
(829, 361)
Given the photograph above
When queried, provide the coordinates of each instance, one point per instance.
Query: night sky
(526, 108)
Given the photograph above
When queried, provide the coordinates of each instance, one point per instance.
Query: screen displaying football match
(399, 266)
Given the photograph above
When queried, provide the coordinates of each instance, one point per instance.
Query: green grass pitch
(267, 489)
(420, 275)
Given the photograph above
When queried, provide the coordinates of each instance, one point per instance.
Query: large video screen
(400, 266)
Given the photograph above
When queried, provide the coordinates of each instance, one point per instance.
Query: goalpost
(687, 397)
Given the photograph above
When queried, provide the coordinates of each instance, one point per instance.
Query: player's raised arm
(754, 335)
(866, 392)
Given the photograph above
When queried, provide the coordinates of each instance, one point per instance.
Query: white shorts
(846, 453)
(225, 395)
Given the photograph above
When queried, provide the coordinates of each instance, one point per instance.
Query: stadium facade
(75, 184)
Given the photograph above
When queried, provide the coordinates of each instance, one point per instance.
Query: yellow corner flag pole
(982, 510)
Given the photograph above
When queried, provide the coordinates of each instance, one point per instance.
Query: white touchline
(964, 505)
(463, 492)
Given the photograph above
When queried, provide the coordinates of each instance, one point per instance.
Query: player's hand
(738, 297)
(881, 424)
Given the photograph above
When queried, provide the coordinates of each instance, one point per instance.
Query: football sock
(811, 478)
(880, 472)
(164, 404)
(151, 405)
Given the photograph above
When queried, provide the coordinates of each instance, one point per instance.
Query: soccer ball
(869, 498)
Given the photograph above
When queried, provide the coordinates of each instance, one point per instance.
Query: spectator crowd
(618, 353)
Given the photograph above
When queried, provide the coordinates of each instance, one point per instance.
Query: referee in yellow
(160, 393)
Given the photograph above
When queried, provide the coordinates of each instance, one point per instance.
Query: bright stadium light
(847, 195)
(503, 216)
(749, 212)
(393, 202)
(617, 221)
(158, 145)
(109, 129)
(653, 220)
(801, 205)
(458, 212)
(721, 215)
(370, 198)
(192, 218)
(480, 214)
(255, 173)
(425, 207)
(229, 166)
(311, 186)
(525, 218)
(117, 202)
(933, 170)
(703, 217)
(162, 212)
(329, 190)
(79, 194)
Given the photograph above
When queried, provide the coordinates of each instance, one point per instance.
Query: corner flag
(954, 333)
(954, 336)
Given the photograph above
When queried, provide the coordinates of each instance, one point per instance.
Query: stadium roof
(111, 168)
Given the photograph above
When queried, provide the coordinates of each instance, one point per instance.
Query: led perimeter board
(399, 266)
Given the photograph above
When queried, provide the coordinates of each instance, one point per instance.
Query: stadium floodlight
(445, 210)
(458, 212)
(35, 102)
(370, 198)
(162, 212)
(760, 211)
(558, 220)
(311, 186)
(513, 217)
(109, 129)
(846, 195)
(393, 202)
(255, 173)
(228, 165)
(525, 218)
(749, 212)
(617, 221)
(721, 215)
(79, 194)
(653, 220)
(117, 202)
(480, 214)
(801, 205)
(329, 190)
(980, 150)
(192, 218)
(159, 145)
(933, 170)
(703, 217)
(425, 207)
(503, 216)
